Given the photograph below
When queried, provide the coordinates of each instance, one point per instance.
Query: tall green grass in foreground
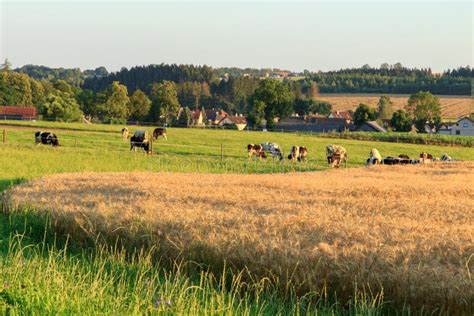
(42, 275)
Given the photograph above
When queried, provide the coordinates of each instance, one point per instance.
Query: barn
(18, 113)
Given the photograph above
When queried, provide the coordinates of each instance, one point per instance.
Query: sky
(293, 35)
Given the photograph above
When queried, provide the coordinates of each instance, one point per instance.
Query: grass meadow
(212, 234)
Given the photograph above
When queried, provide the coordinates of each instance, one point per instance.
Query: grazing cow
(159, 131)
(446, 157)
(46, 138)
(398, 161)
(298, 153)
(374, 158)
(273, 149)
(125, 133)
(256, 150)
(140, 139)
(426, 158)
(336, 155)
(403, 156)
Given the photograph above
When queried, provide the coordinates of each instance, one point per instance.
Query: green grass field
(41, 273)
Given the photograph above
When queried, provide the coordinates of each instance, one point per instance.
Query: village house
(371, 126)
(463, 127)
(341, 115)
(314, 123)
(239, 121)
(18, 113)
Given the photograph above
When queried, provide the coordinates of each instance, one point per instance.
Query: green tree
(116, 105)
(6, 66)
(15, 89)
(384, 108)
(61, 106)
(257, 113)
(185, 117)
(425, 109)
(277, 98)
(139, 105)
(164, 101)
(363, 114)
(401, 121)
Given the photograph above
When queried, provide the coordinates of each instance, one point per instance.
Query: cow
(159, 131)
(125, 133)
(140, 139)
(298, 153)
(336, 155)
(273, 149)
(403, 156)
(374, 158)
(446, 157)
(426, 157)
(46, 138)
(256, 150)
(398, 161)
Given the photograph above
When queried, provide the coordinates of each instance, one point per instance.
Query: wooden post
(222, 151)
(151, 145)
(4, 135)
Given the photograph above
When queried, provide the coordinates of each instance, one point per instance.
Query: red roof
(26, 112)
(341, 114)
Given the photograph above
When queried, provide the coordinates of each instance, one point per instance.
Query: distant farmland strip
(451, 106)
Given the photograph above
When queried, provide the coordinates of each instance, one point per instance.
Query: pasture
(222, 234)
(100, 148)
(452, 107)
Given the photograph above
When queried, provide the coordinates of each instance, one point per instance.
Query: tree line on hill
(156, 93)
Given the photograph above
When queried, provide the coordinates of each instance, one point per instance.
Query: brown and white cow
(125, 133)
(298, 153)
(426, 157)
(159, 131)
(256, 150)
(336, 155)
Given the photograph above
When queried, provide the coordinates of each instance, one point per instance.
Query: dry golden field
(408, 230)
(451, 106)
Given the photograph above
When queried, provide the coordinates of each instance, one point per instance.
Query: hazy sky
(314, 35)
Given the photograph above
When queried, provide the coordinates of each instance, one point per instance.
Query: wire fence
(167, 156)
(395, 137)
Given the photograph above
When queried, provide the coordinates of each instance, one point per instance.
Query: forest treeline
(387, 78)
(156, 93)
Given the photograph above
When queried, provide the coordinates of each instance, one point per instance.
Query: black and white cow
(273, 149)
(159, 131)
(46, 138)
(140, 139)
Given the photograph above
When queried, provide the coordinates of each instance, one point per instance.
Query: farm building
(341, 114)
(371, 126)
(18, 113)
(314, 123)
(215, 116)
(463, 127)
(239, 121)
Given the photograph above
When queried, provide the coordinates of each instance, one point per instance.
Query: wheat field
(452, 107)
(404, 231)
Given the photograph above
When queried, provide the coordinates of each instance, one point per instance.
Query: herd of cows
(336, 155)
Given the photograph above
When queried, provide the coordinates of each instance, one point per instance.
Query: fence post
(151, 145)
(222, 151)
(4, 135)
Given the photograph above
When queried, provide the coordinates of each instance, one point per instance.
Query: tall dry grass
(406, 231)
